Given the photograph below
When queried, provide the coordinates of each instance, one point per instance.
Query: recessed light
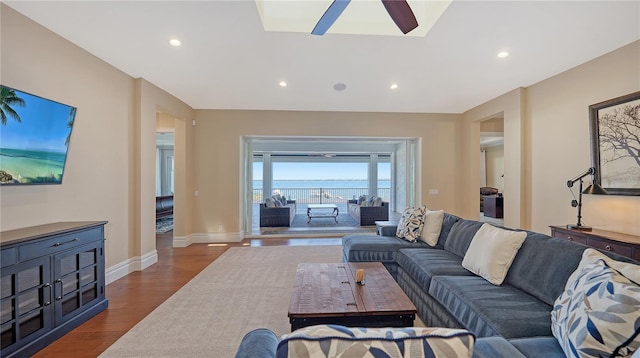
(503, 54)
(283, 84)
(340, 86)
(175, 42)
(394, 86)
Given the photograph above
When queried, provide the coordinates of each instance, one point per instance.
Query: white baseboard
(207, 238)
(126, 267)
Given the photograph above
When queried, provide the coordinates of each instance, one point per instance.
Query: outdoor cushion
(460, 236)
(424, 264)
(490, 310)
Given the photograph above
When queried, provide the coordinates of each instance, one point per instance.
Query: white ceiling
(227, 61)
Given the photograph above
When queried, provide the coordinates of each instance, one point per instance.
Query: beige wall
(110, 170)
(494, 157)
(98, 169)
(510, 107)
(217, 152)
(547, 143)
(560, 149)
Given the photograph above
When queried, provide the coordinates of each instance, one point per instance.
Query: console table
(622, 244)
(52, 280)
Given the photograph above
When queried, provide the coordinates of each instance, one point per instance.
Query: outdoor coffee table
(328, 294)
(322, 211)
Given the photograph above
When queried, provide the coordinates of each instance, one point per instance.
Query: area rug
(164, 225)
(244, 289)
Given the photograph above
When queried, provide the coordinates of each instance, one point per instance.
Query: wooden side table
(493, 206)
(622, 244)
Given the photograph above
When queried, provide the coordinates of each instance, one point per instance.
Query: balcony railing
(322, 195)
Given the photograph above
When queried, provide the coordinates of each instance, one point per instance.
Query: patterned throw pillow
(410, 224)
(598, 313)
(342, 342)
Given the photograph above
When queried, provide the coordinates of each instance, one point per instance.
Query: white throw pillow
(432, 226)
(492, 251)
(598, 312)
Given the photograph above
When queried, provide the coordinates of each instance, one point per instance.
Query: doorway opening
(165, 170)
(492, 170)
(326, 173)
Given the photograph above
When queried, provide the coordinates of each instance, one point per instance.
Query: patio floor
(337, 230)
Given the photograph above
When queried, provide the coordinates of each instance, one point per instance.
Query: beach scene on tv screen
(34, 138)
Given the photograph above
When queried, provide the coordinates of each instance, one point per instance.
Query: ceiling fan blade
(402, 15)
(330, 16)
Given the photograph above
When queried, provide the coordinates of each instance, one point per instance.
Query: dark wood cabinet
(622, 244)
(493, 206)
(53, 279)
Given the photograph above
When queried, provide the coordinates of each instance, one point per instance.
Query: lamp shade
(595, 189)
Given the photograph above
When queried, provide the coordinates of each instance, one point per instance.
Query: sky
(321, 171)
(43, 126)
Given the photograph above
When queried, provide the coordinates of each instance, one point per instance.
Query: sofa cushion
(369, 247)
(492, 251)
(495, 347)
(260, 342)
(423, 264)
(597, 314)
(411, 222)
(432, 226)
(447, 223)
(339, 341)
(489, 310)
(460, 236)
(269, 203)
(535, 269)
(538, 347)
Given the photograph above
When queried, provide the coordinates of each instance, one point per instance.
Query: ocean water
(322, 191)
(28, 166)
(356, 183)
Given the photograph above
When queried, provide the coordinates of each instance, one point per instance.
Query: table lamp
(594, 188)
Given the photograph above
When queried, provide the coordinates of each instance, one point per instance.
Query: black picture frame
(615, 129)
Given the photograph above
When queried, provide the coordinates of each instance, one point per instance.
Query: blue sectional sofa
(448, 295)
(512, 319)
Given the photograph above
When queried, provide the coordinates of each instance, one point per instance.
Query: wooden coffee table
(328, 294)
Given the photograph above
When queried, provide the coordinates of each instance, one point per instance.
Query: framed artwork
(615, 144)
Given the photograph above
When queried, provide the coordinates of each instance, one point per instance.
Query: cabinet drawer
(618, 248)
(8, 257)
(571, 237)
(59, 243)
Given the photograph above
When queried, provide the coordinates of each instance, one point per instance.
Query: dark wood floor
(134, 296)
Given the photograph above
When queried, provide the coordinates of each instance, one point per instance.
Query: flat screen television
(34, 138)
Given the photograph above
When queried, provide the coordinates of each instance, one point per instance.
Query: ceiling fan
(399, 10)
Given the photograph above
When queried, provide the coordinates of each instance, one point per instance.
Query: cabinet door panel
(77, 280)
(25, 303)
